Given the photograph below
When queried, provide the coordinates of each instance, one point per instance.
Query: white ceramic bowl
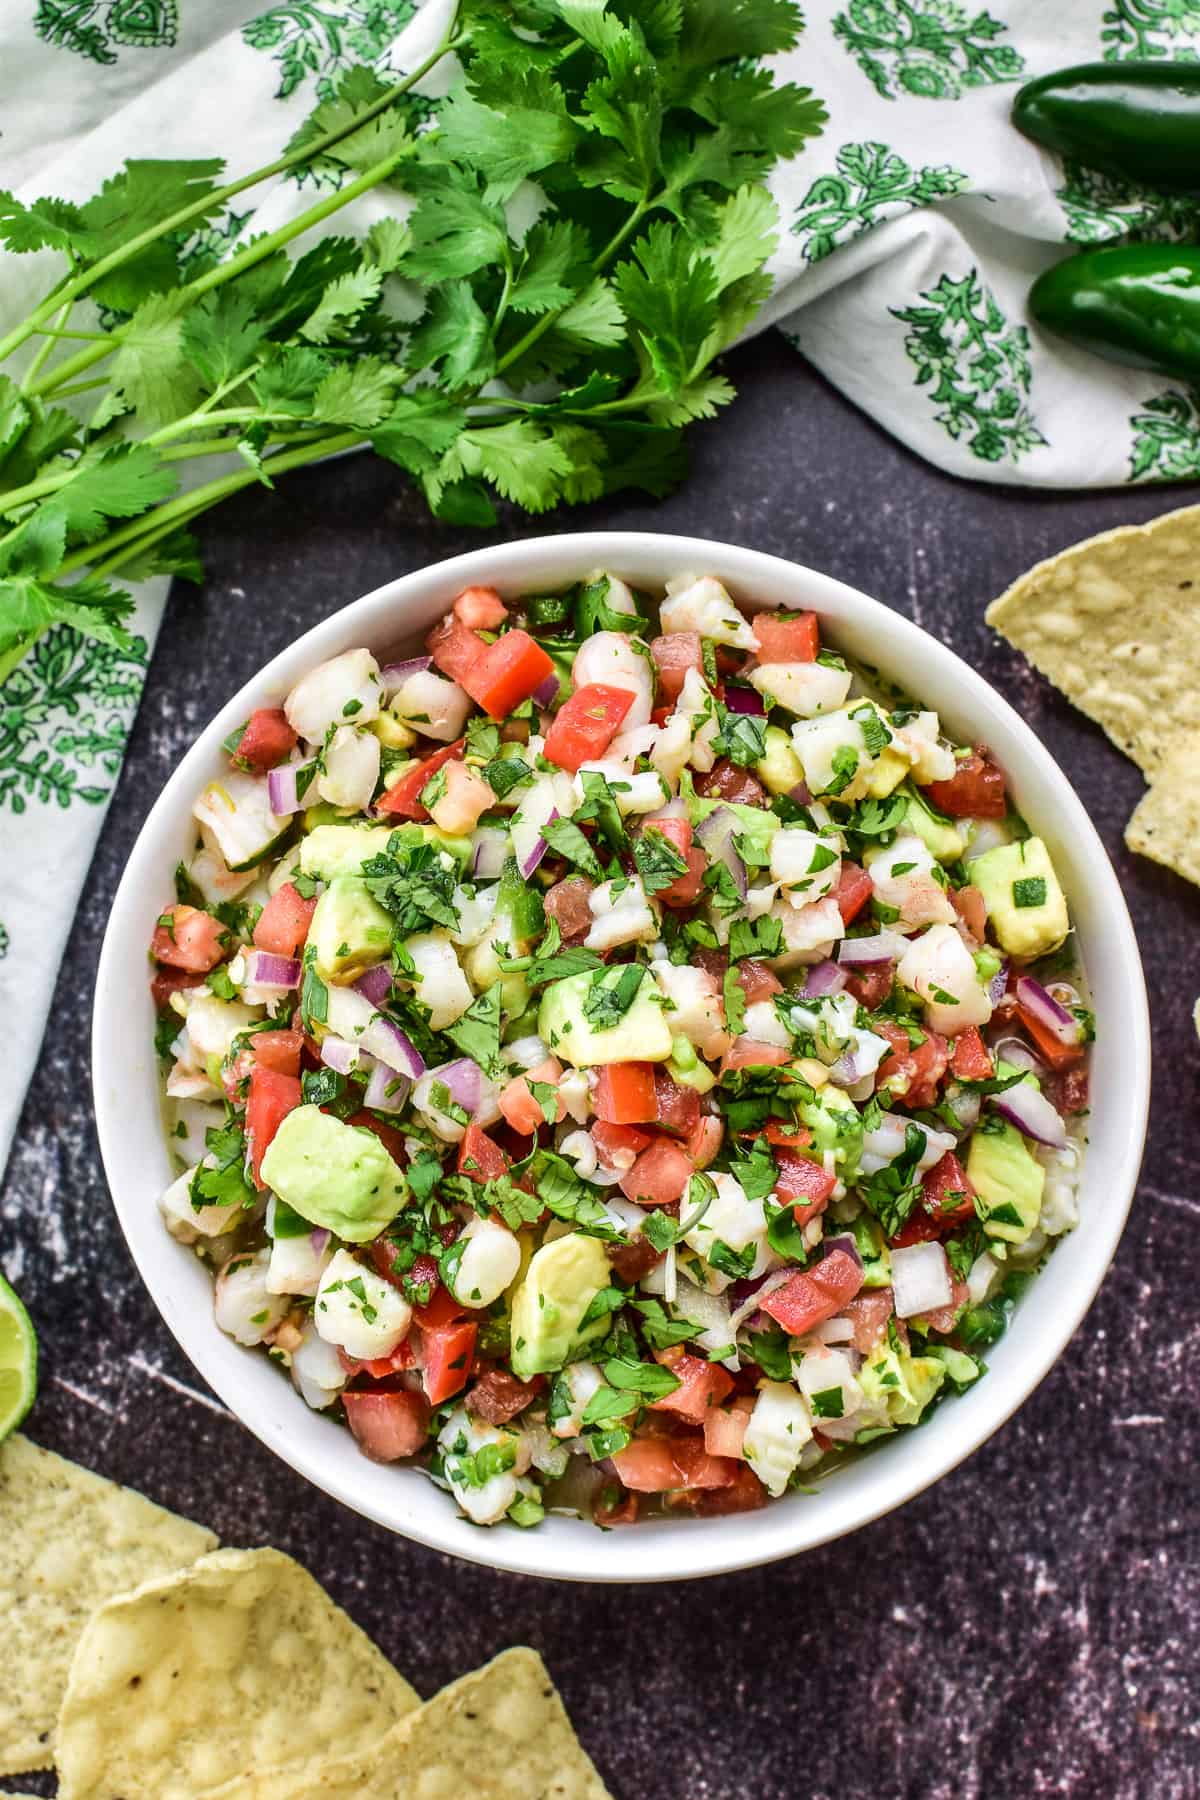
(139, 1165)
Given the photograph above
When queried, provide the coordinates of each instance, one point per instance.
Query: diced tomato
(805, 1183)
(747, 1053)
(455, 648)
(912, 1071)
(625, 1094)
(387, 1426)
(947, 1195)
(853, 890)
(587, 724)
(498, 1396)
(725, 1429)
(265, 741)
(1069, 1091)
(391, 1139)
(786, 1137)
(970, 1058)
(813, 1295)
(404, 796)
(975, 790)
(618, 1141)
(660, 1175)
(507, 673)
(726, 781)
(673, 656)
(278, 1050)
(944, 1318)
(166, 982)
(703, 1385)
(745, 1493)
(678, 833)
(633, 1259)
(480, 1156)
(403, 1357)
(918, 1228)
(614, 1505)
(449, 1352)
(1059, 1056)
(872, 985)
(699, 1467)
(685, 890)
(971, 907)
(190, 939)
(440, 1310)
(522, 1109)
(284, 921)
(424, 1271)
(783, 638)
(647, 1466)
(272, 1097)
(757, 981)
(480, 609)
(868, 1312)
(678, 1107)
(567, 904)
(704, 1139)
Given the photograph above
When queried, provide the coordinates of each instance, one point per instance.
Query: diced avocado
(836, 1125)
(460, 848)
(336, 1176)
(331, 850)
(392, 732)
(888, 772)
(754, 823)
(1025, 901)
(642, 1033)
(350, 930)
(779, 769)
(520, 903)
(941, 837)
(902, 1384)
(560, 1284)
(1007, 1178)
(322, 813)
(686, 1069)
(961, 1369)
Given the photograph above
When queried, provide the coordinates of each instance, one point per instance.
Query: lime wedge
(18, 1361)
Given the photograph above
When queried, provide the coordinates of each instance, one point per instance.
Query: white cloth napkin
(910, 233)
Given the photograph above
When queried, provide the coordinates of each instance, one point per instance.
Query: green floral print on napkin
(978, 364)
(65, 714)
(872, 181)
(98, 28)
(312, 41)
(1166, 438)
(929, 49)
(1101, 208)
(1145, 28)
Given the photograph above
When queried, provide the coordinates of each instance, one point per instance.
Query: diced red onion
(824, 978)
(754, 1292)
(744, 700)
(715, 834)
(844, 1242)
(376, 984)
(266, 970)
(283, 796)
(396, 674)
(845, 1072)
(674, 809)
(1016, 1051)
(491, 848)
(545, 690)
(884, 946)
(340, 1055)
(318, 1238)
(834, 1331)
(998, 985)
(387, 1091)
(801, 794)
(463, 1081)
(1045, 1009)
(393, 1047)
(1031, 1113)
(534, 856)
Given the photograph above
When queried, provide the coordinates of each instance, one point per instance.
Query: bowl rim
(714, 1546)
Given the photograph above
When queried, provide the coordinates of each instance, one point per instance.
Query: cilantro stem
(219, 197)
(599, 264)
(173, 511)
(43, 351)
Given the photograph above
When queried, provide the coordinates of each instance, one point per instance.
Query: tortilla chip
(1114, 623)
(69, 1540)
(1166, 824)
(240, 1662)
(500, 1733)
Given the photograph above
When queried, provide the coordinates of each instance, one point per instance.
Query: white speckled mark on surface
(1031, 1626)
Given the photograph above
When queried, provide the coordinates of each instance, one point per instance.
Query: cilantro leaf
(608, 1000)
(477, 1032)
(566, 840)
(659, 863)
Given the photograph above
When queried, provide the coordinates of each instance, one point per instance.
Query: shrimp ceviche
(625, 1059)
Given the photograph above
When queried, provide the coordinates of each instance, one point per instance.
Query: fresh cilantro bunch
(587, 230)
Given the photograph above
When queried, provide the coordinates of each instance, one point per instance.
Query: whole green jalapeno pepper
(1136, 120)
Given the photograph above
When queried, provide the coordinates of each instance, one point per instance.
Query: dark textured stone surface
(1029, 1627)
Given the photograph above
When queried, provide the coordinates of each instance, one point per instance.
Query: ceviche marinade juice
(622, 1058)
